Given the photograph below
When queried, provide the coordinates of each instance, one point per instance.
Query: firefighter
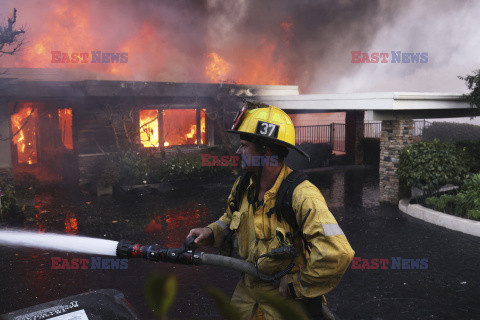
(323, 252)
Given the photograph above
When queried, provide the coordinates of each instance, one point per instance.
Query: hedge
(429, 165)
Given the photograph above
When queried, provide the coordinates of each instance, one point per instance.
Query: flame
(147, 43)
(154, 54)
(149, 128)
(68, 30)
(180, 126)
(262, 67)
(25, 139)
(258, 65)
(65, 123)
(217, 69)
(71, 223)
(193, 131)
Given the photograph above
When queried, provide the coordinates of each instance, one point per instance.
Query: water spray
(58, 242)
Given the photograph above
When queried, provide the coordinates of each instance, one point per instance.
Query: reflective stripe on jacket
(258, 233)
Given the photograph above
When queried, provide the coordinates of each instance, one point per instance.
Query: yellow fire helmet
(266, 123)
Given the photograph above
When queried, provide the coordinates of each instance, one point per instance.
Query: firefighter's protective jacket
(258, 232)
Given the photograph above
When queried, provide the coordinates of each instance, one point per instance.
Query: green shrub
(445, 203)
(110, 175)
(465, 203)
(9, 201)
(183, 166)
(451, 132)
(428, 165)
(472, 152)
(132, 166)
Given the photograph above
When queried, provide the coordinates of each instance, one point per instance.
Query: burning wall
(41, 137)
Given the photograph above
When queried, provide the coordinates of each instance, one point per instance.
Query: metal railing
(372, 129)
(419, 126)
(334, 133)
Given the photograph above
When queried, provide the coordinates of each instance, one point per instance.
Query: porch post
(396, 134)
(353, 134)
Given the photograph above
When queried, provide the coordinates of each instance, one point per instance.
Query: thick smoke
(305, 43)
(447, 30)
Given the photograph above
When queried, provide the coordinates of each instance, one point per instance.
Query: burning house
(54, 130)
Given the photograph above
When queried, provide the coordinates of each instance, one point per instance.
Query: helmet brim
(271, 140)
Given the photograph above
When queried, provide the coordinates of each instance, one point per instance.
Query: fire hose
(187, 255)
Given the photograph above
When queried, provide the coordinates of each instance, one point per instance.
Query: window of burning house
(24, 131)
(179, 127)
(65, 125)
(149, 128)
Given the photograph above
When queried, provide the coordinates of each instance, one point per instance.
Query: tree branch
(9, 38)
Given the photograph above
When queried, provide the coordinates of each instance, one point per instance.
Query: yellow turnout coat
(257, 233)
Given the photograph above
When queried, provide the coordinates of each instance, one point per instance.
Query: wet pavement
(449, 288)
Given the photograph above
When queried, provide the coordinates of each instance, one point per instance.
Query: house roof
(60, 83)
(380, 105)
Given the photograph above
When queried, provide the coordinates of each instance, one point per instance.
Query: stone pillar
(396, 134)
(353, 134)
(6, 167)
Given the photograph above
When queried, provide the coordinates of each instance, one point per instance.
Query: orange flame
(71, 223)
(262, 67)
(65, 123)
(179, 127)
(149, 128)
(217, 69)
(68, 30)
(25, 139)
(73, 27)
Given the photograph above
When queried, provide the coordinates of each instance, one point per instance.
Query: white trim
(448, 221)
(369, 101)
